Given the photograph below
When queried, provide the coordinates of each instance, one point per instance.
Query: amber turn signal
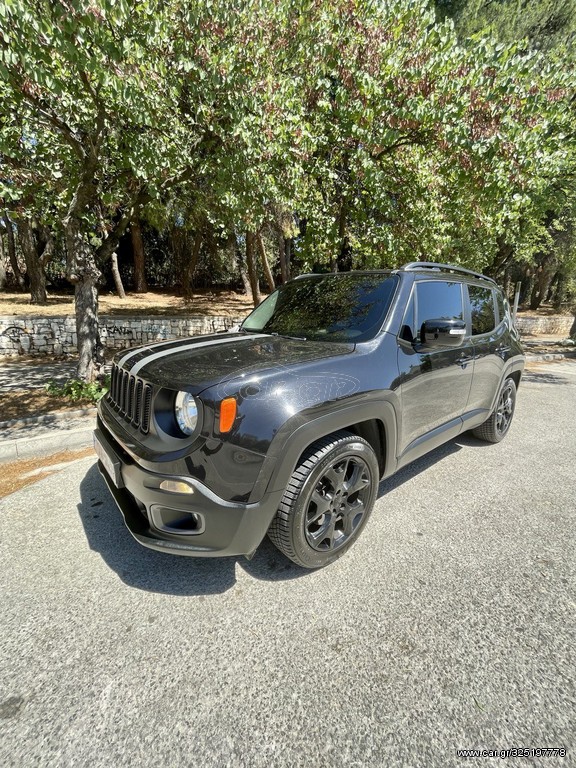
(227, 414)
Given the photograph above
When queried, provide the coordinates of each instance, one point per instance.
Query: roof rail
(414, 266)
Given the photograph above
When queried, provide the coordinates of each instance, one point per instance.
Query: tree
(416, 147)
(543, 24)
(11, 247)
(364, 128)
(71, 70)
(140, 285)
(126, 102)
(548, 26)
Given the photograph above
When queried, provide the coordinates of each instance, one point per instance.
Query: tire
(497, 425)
(327, 501)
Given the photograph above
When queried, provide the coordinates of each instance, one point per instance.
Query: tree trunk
(89, 344)
(265, 266)
(284, 271)
(527, 286)
(190, 268)
(2, 264)
(34, 263)
(503, 259)
(84, 274)
(81, 260)
(285, 257)
(561, 291)
(251, 266)
(116, 275)
(140, 285)
(241, 261)
(507, 282)
(543, 279)
(18, 276)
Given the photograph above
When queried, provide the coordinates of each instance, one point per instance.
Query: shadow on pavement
(411, 471)
(535, 376)
(16, 375)
(152, 571)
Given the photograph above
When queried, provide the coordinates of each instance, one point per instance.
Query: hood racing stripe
(137, 350)
(185, 348)
(150, 350)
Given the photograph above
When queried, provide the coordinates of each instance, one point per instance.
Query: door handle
(464, 360)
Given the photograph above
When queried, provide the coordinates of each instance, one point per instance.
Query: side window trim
(410, 305)
(501, 306)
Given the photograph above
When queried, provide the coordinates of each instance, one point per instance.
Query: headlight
(186, 412)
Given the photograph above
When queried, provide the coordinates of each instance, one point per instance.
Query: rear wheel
(498, 424)
(327, 501)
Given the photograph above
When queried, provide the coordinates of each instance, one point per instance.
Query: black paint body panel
(291, 392)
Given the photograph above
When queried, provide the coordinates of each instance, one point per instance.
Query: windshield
(347, 306)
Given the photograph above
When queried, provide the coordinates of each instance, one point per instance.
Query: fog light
(176, 521)
(176, 486)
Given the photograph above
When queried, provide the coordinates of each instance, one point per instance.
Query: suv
(286, 425)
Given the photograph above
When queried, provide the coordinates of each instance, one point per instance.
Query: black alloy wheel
(327, 501)
(497, 425)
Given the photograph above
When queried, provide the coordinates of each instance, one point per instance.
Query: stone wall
(553, 325)
(57, 335)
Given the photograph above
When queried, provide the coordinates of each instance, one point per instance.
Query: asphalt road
(450, 624)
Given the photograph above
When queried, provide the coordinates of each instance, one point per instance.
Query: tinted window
(482, 309)
(501, 306)
(335, 307)
(437, 300)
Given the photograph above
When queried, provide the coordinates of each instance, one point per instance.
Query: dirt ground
(18, 474)
(152, 303)
(34, 402)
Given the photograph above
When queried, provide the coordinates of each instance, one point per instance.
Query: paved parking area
(450, 624)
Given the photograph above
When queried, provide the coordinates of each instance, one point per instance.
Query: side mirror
(442, 333)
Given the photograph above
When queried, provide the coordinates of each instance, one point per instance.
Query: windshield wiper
(272, 333)
(286, 336)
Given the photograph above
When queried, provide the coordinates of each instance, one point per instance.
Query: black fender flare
(301, 431)
(514, 365)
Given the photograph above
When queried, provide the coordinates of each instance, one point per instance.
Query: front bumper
(211, 526)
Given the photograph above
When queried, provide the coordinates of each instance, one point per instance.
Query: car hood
(195, 364)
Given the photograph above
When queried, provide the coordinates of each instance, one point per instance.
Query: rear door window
(482, 309)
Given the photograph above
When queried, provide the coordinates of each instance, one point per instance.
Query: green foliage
(419, 148)
(543, 24)
(388, 139)
(544, 230)
(110, 106)
(75, 390)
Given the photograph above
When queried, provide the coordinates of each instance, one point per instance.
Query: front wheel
(497, 425)
(327, 501)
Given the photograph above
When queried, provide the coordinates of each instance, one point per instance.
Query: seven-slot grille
(132, 397)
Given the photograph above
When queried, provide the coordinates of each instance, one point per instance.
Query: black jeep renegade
(286, 425)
